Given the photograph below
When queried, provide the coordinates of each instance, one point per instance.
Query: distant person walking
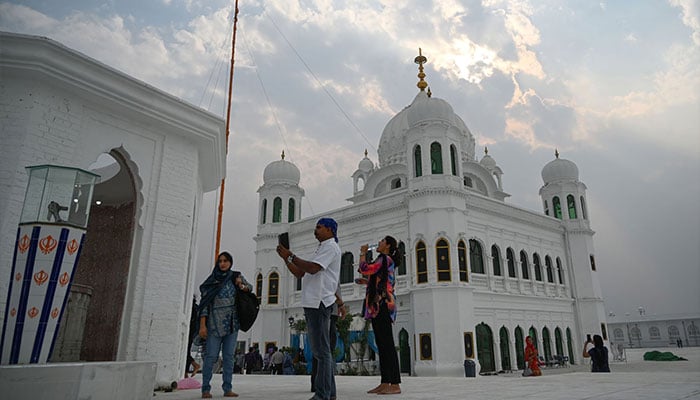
(532, 358)
(276, 360)
(319, 280)
(219, 322)
(380, 308)
(598, 354)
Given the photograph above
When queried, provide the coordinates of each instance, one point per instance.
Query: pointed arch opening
(476, 257)
(537, 266)
(484, 346)
(462, 256)
(435, 158)
(421, 263)
(557, 207)
(510, 257)
(402, 266)
(548, 266)
(525, 269)
(505, 349)
(496, 260)
(571, 205)
(263, 211)
(259, 286)
(291, 209)
(547, 344)
(453, 159)
(519, 348)
(417, 161)
(273, 288)
(277, 210)
(444, 270)
(346, 267)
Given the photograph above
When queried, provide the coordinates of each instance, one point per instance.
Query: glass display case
(60, 195)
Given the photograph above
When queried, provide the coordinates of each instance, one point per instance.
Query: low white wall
(69, 381)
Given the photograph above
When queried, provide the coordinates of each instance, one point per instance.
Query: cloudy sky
(614, 86)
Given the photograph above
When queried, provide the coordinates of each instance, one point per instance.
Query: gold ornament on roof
(420, 60)
(486, 150)
(283, 154)
(556, 153)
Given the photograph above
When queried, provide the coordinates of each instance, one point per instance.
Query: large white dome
(558, 170)
(281, 171)
(392, 145)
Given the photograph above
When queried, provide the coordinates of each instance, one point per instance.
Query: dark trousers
(388, 359)
(333, 339)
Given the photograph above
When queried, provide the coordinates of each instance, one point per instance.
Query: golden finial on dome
(283, 154)
(420, 60)
(556, 153)
(365, 152)
(486, 150)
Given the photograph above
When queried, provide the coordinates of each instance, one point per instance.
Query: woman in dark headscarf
(598, 354)
(218, 321)
(380, 308)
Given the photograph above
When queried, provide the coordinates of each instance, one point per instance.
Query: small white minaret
(564, 198)
(279, 205)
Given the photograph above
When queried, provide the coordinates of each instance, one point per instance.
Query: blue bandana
(331, 224)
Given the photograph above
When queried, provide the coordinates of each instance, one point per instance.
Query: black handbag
(247, 307)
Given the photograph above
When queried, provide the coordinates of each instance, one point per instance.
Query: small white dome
(488, 162)
(281, 171)
(559, 169)
(366, 165)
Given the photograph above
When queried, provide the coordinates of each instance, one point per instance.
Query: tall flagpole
(228, 124)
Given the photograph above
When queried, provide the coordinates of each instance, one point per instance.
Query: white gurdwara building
(479, 275)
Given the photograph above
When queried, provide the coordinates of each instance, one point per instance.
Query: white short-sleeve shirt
(320, 287)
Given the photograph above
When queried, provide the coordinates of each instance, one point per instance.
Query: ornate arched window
(476, 257)
(277, 210)
(635, 333)
(421, 263)
(560, 274)
(538, 267)
(619, 335)
(418, 161)
(258, 285)
(673, 333)
(435, 158)
(583, 208)
(546, 208)
(273, 288)
(558, 342)
(654, 333)
(546, 343)
(548, 266)
(290, 214)
(263, 212)
(510, 257)
(496, 260)
(571, 205)
(401, 270)
(557, 207)
(453, 159)
(519, 347)
(570, 346)
(525, 269)
(442, 250)
(346, 267)
(462, 256)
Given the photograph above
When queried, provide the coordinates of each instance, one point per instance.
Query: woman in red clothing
(531, 357)
(380, 308)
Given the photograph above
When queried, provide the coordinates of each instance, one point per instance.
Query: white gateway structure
(479, 275)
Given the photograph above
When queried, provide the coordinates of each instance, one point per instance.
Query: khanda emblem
(41, 277)
(33, 312)
(63, 280)
(72, 247)
(47, 244)
(54, 313)
(23, 244)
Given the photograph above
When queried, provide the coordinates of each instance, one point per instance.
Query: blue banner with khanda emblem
(43, 264)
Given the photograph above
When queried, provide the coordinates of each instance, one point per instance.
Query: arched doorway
(106, 256)
(519, 348)
(547, 344)
(558, 342)
(505, 349)
(404, 351)
(484, 346)
(533, 334)
(569, 344)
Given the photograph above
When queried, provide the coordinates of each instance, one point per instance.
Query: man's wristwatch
(290, 259)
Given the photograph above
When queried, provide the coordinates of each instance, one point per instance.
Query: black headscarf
(215, 281)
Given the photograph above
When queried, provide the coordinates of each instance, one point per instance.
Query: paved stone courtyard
(634, 379)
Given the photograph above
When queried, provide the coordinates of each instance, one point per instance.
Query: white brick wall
(75, 110)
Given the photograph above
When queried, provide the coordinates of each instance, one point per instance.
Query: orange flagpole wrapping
(228, 124)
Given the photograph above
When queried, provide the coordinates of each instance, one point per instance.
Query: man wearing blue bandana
(319, 281)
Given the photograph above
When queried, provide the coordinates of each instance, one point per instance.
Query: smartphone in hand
(588, 338)
(283, 239)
